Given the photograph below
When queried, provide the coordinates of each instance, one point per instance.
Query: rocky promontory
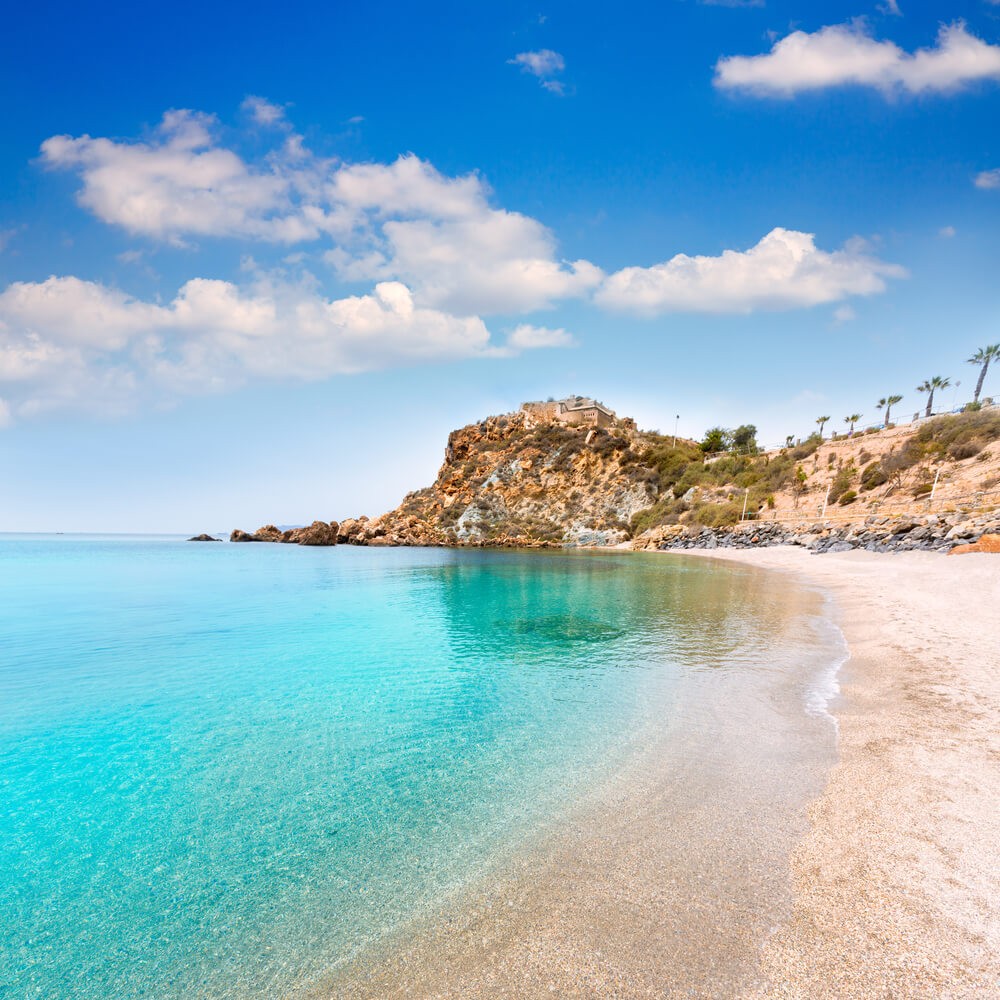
(572, 473)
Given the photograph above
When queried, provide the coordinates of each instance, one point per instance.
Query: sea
(229, 770)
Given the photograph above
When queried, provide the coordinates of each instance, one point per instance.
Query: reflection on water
(224, 769)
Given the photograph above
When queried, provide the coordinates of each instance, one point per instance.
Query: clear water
(224, 769)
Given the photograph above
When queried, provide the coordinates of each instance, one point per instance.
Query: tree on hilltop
(852, 420)
(745, 439)
(821, 421)
(983, 357)
(887, 402)
(929, 386)
(716, 439)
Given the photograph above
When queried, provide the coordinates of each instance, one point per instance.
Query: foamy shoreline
(897, 879)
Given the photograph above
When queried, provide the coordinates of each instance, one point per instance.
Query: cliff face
(510, 480)
(527, 479)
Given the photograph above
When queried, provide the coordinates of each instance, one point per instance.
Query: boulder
(317, 533)
(268, 533)
(988, 543)
(239, 535)
(204, 538)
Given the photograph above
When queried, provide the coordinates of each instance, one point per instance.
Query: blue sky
(255, 264)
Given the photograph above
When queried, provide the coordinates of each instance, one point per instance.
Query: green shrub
(717, 515)
(873, 476)
(848, 496)
(841, 481)
(923, 489)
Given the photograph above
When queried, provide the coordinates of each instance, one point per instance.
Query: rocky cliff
(512, 480)
(522, 479)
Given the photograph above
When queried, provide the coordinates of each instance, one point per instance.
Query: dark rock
(204, 538)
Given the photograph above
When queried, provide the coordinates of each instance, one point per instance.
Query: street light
(676, 421)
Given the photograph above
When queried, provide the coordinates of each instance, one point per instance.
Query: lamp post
(676, 421)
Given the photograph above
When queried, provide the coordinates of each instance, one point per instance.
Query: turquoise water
(224, 769)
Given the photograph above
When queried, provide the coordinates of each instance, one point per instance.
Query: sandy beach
(897, 881)
(888, 887)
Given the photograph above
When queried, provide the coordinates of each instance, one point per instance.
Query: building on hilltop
(572, 410)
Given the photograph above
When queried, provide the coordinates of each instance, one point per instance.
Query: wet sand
(885, 886)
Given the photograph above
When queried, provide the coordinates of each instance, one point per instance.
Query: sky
(256, 263)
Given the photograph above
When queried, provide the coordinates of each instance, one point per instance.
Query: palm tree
(928, 386)
(821, 421)
(983, 357)
(852, 420)
(888, 402)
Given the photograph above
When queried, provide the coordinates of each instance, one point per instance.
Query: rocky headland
(565, 474)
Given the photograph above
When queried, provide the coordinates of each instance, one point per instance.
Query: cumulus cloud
(180, 183)
(441, 236)
(846, 54)
(525, 337)
(544, 64)
(785, 270)
(398, 221)
(988, 180)
(65, 341)
(263, 112)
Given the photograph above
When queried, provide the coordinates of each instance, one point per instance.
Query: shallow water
(227, 769)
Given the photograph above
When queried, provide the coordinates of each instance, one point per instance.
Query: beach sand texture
(894, 880)
(897, 884)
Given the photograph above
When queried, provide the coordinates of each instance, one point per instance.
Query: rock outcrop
(204, 538)
(527, 480)
(509, 481)
(317, 533)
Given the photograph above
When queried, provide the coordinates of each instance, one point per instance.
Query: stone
(988, 543)
(317, 533)
(204, 538)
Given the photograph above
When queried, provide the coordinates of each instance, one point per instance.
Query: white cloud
(69, 342)
(544, 64)
(181, 184)
(844, 54)
(526, 337)
(947, 232)
(6, 235)
(890, 7)
(844, 314)
(988, 180)
(785, 270)
(441, 237)
(5, 417)
(263, 112)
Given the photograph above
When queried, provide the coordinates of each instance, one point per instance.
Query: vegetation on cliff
(508, 480)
